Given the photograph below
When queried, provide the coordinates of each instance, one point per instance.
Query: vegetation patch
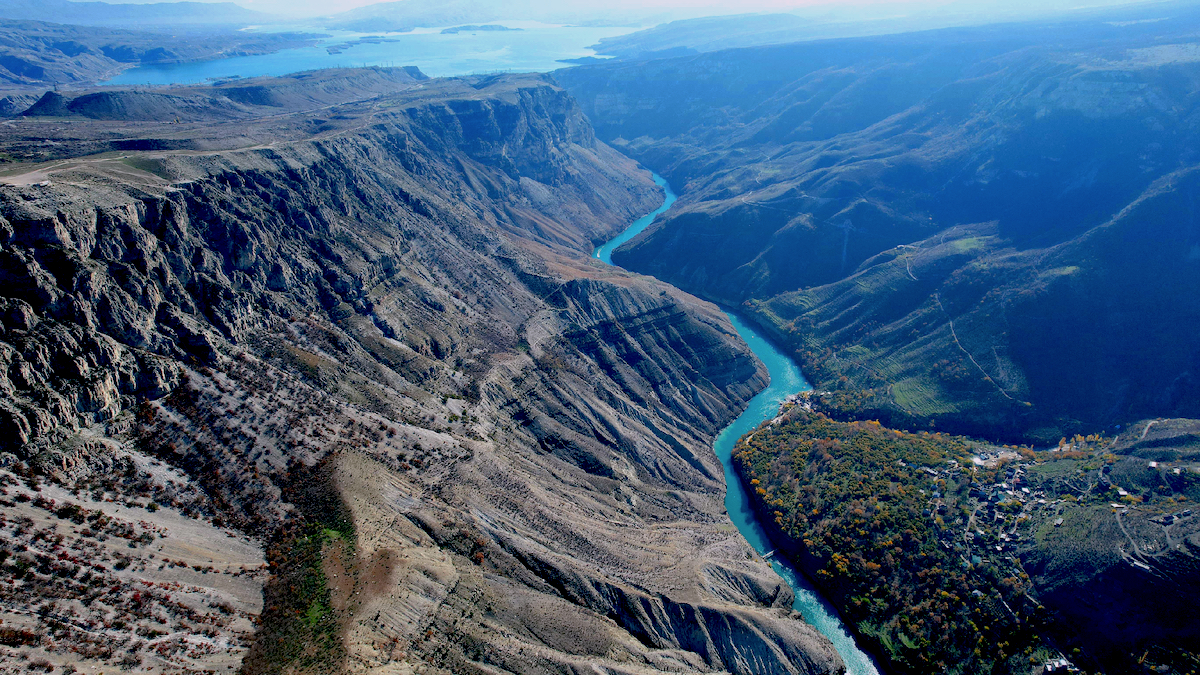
(862, 508)
(949, 555)
(301, 630)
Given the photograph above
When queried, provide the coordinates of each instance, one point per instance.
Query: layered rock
(386, 326)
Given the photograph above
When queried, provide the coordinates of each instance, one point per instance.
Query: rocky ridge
(376, 344)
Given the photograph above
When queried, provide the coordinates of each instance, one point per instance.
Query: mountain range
(984, 229)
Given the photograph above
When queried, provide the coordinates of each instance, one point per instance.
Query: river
(786, 379)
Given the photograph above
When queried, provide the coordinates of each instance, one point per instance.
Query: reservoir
(786, 379)
(529, 47)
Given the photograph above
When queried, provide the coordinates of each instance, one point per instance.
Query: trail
(1147, 429)
(938, 299)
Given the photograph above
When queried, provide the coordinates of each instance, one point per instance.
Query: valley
(785, 384)
(940, 224)
(974, 246)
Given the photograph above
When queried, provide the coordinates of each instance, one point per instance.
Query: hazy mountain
(708, 34)
(36, 54)
(712, 33)
(175, 14)
(403, 15)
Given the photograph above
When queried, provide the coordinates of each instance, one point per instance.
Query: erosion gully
(786, 379)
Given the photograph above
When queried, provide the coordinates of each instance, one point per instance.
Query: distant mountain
(175, 14)
(990, 230)
(485, 28)
(405, 15)
(714, 33)
(39, 54)
(706, 34)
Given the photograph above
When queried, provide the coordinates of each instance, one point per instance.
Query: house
(1059, 665)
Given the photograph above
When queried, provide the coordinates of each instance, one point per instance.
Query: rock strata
(379, 347)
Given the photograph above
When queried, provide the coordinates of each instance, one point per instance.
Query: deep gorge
(377, 348)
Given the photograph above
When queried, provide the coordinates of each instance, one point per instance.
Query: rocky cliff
(370, 338)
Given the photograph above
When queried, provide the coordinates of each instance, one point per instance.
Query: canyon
(318, 373)
(978, 245)
(363, 337)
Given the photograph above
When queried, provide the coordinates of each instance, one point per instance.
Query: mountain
(405, 15)
(332, 385)
(235, 99)
(971, 228)
(41, 54)
(705, 34)
(175, 15)
(821, 22)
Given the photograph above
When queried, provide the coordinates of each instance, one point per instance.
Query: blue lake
(786, 379)
(537, 47)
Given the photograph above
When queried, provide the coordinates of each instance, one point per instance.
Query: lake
(537, 47)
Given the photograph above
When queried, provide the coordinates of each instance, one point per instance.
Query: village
(993, 510)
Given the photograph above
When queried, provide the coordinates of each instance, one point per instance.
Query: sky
(641, 7)
(649, 12)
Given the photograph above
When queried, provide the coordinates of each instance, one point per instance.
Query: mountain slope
(979, 153)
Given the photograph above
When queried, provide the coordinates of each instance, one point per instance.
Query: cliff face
(373, 340)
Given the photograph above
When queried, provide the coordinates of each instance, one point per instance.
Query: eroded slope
(377, 345)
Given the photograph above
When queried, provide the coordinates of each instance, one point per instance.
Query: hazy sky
(654, 11)
(640, 7)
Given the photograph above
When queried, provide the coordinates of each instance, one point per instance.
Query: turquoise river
(786, 380)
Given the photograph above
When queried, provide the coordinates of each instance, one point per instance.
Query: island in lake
(472, 29)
